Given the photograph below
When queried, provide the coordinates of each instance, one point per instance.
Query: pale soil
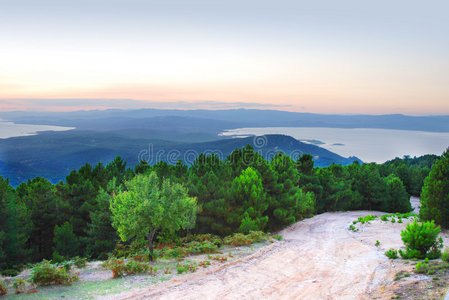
(319, 258)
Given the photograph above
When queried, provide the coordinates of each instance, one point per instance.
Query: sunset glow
(345, 58)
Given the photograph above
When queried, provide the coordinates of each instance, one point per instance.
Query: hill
(54, 154)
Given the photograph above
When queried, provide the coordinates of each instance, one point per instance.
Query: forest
(244, 192)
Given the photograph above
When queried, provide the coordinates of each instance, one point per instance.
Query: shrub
(352, 227)
(257, 236)
(392, 253)
(278, 237)
(19, 285)
(45, 273)
(204, 263)
(10, 272)
(119, 267)
(421, 268)
(79, 262)
(186, 268)
(377, 244)
(421, 240)
(366, 219)
(3, 288)
(238, 239)
(384, 218)
(393, 220)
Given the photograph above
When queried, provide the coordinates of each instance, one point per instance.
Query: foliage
(435, 193)
(19, 285)
(120, 267)
(186, 268)
(392, 253)
(66, 242)
(146, 206)
(243, 192)
(238, 239)
(421, 268)
(45, 273)
(278, 237)
(421, 240)
(445, 254)
(3, 287)
(10, 272)
(377, 244)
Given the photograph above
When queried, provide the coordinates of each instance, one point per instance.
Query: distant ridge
(54, 154)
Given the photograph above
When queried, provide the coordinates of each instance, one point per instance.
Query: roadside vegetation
(131, 218)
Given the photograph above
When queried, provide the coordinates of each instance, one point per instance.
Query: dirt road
(319, 258)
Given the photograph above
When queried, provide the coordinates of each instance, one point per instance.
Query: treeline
(40, 220)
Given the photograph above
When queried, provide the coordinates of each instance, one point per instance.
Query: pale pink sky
(350, 57)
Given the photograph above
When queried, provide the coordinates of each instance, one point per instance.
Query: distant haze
(308, 56)
(370, 145)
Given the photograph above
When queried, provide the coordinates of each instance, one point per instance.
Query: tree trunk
(150, 243)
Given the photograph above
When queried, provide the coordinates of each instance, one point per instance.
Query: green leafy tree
(435, 193)
(146, 207)
(43, 206)
(66, 242)
(14, 225)
(397, 199)
(248, 197)
(101, 235)
(421, 240)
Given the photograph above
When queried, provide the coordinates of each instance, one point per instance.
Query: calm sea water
(10, 129)
(370, 145)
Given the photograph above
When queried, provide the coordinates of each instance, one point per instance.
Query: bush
(238, 239)
(79, 262)
(392, 253)
(278, 237)
(257, 236)
(19, 285)
(45, 273)
(421, 268)
(421, 240)
(119, 267)
(186, 268)
(384, 218)
(377, 244)
(10, 272)
(3, 288)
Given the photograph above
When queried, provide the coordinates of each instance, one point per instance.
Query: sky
(374, 57)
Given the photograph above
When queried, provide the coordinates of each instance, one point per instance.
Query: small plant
(167, 271)
(421, 268)
(10, 273)
(377, 244)
(445, 255)
(219, 258)
(79, 262)
(238, 239)
(392, 253)
(400, 220)
(278, 237)
(393, 220)
(205, 263)
(353, 228)
(186, 268)
(45, 273)
(421, 240)
(3, 288)
(119, 267)
(19, 285)
(384, 218)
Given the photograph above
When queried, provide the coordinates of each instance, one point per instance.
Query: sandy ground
(319, 258)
